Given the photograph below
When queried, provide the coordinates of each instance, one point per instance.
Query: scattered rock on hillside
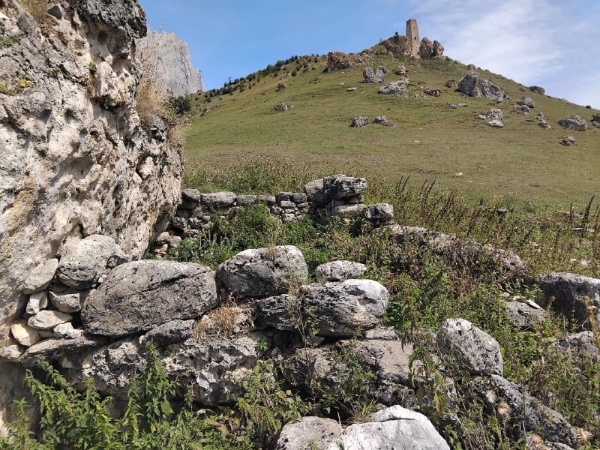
(596, 120)
(494, 114)
(141, 295)
(395, 87)
(313, 433)
(451, 83)
(537, 90)
(573, 122)
(383, 120)
(263, 272)
(280, 107)
(569, 294)
(339, 61)
(400, 70)
(568, 141)
(496, 124)
(281, 86)
(86, 261)
(526, 101)
(359, 122)
(432, 92)
(523, 108)
(373, 76)
(391, 428)
(340, 270)
(465, 345)
(475, 86)
(580, 345)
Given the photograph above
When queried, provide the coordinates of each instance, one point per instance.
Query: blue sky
(550, 43)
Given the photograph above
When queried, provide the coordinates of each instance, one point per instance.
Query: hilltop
(432, 141)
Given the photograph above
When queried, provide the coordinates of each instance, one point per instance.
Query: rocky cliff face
(75, 159)
(167, 60)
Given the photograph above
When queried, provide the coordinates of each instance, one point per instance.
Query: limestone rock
(167, 61)
(494, 114)
(526, 101)
(313, 433)
(340, 270)
(527, 413)
(570, 294)
(573, 123)
(383, 120)
(496, 124)
(580, 345)
(10, 353)
(24, 334)
(140, 295)
(170, 333)
(537, 90)
(596, 120)
(48, 319)
(37, 302)
(214, 366)
(218, 200)
(86, 261)
(394, 87)
(339, 61)
(359, 122)
(67, 331)
(263, 272)
(475, 86)
(69, 301)
(77, 175)
(373, 76)
(524, 316)
(54, 348)
(391, 428)
(469, 347)
(378, 213)
(40, 277)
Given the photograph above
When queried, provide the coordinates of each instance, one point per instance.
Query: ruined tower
(412, 35)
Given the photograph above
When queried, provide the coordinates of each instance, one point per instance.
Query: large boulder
(573, 122)
(466, 346)
(392, 428)
(475, 86)
(86, 261)
(263, 272)
(314, 433)
(332, 310)
(373, 76)
(141, 295)
(571, 295)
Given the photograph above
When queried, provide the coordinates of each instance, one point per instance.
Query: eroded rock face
(141, 295)
(309, 432)
(73, 141)
(167, 59)
(340, 270)
(574, 122)
(264, 271)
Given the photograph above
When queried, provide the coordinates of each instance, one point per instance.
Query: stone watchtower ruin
(412, 35)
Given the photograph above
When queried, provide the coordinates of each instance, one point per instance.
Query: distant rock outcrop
(410, 45)
(167, 61)
(475, 86)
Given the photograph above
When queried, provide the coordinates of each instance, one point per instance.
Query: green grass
(431, 141)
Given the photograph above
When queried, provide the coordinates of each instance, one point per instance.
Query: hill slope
(431, 142)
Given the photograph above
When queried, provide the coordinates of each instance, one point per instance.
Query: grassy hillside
(431, 142)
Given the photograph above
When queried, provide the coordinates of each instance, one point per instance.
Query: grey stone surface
(54, 348)
(40, 277)
(48, 319)
(468, 347)
(371, 75)
(580, 345)
(169, 333)
(314, 433)
(263, 272)
(526, 101)
(570, 294)
(141, 295)
(573, 122)
(496, 124)
(378, 213)
(359, 121)
(215, 366)
(218, 200)
(394, 87)
(69, 301)
(67, 331)
(524, 316)
(475, 86)
(393, 428)
(340, 270)
(87, 260)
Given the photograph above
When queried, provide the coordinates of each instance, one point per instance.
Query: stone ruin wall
(412, 34)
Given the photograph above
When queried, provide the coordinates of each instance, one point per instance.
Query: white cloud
(532, 41)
